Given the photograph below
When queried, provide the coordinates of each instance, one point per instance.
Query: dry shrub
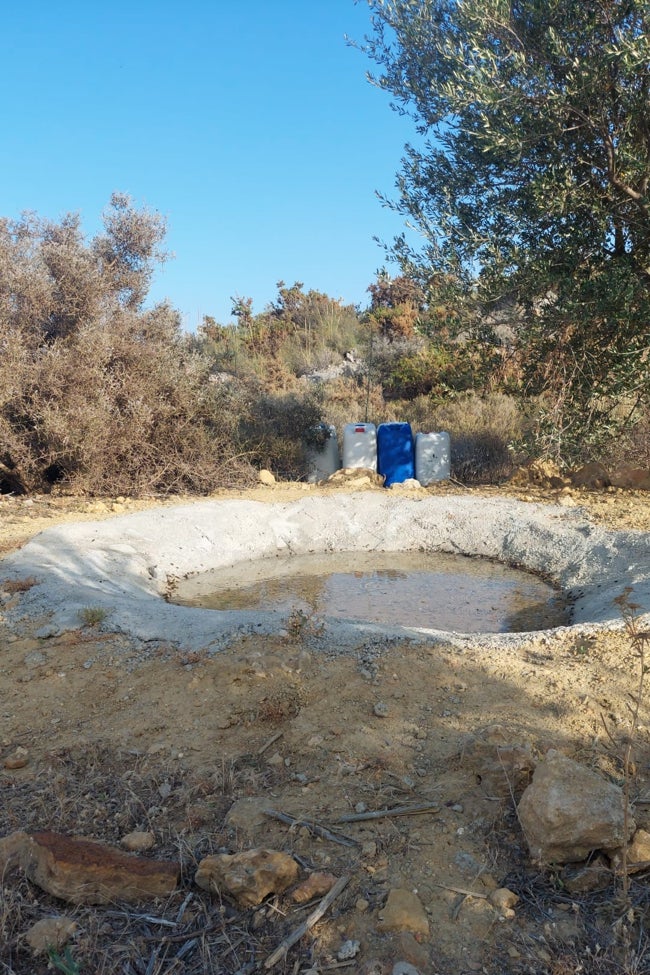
(272, 428)
(96, 392)
(481, 428)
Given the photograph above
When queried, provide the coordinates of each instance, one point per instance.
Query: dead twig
(462, 890)
(429, 807)
(314, 828)
(271, 741)
(308, 923)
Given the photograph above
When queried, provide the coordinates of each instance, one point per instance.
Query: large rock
(568, 811)
(247, 877)
(85, 872)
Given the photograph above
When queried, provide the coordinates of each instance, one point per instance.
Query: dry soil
(118, 740)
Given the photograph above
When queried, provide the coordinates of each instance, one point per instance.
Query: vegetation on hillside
(520, 326)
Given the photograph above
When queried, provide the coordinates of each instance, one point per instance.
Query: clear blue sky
(249, 124)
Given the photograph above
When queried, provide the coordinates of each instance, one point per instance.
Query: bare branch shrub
(97, 392)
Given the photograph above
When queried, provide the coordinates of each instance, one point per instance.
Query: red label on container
(359, 429)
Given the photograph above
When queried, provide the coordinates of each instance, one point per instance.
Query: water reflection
(430, 590)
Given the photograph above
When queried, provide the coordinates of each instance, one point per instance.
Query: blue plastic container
(395, 452)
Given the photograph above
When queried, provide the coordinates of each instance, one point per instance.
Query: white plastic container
(360, 445)
(432, 457)
(322, 453)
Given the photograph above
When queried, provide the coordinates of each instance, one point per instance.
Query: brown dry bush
(482, 430)
(97, 392)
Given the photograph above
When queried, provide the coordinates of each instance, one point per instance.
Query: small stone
(266, 477)
(380, 710)
(503, 899)
(317, 884)
(348, 950)
(404, 968)
(138, 841)
(362, 905)
(403, 912)
(17, 759)
(50, 933)
(275, 759)
(638, 852)
(360, 807)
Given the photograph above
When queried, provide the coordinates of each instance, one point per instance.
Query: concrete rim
(122, 566)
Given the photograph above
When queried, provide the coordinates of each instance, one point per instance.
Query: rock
(413, 951)
(403, 911)
(266, 477)
(630, 477)
(410, 484)
(591, 476)
(247, 877)
(17, 759)
(50, 933)
(586, 877)
(569, 811)
(355, 477)
(84, 872)
(348, 950)
(404, 968)
(638, 853)
(316, 884)
(138, 842)
(248, 813)
(503, 899)
(380, 710)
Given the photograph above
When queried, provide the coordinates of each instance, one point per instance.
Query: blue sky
(249, 125)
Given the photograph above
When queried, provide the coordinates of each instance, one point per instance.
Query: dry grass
(103, 795)
(13, 586)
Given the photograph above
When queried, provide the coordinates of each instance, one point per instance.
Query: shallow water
(432, 590)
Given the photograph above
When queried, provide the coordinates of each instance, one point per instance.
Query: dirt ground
(119, 739)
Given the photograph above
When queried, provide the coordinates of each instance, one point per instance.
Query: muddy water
(431, 590)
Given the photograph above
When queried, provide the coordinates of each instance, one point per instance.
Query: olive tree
(529, 178)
